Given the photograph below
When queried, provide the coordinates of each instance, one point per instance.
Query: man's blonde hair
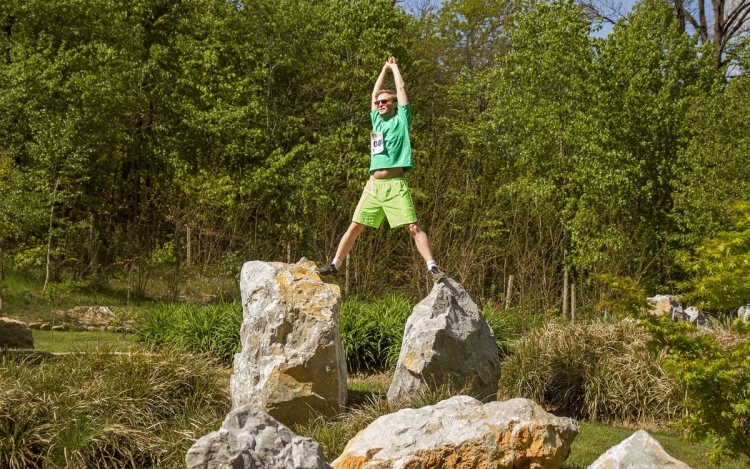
(391, 95)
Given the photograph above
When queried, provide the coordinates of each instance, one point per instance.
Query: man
(386, 194)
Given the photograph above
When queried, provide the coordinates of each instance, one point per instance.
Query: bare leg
(347, 241)
(423, 244)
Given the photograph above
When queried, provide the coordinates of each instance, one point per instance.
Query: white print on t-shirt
(376, 139)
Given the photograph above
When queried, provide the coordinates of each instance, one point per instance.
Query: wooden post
(176, 263)
(572, 301)
(565, 293)
(1, 276)
(92, 244)
(346, 284)
(187, 242)
(509, 293)
(288, 253)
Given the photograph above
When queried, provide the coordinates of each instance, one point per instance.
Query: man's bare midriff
(388, 173)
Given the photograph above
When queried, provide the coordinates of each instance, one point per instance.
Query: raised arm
(378, 86)
(400, 85)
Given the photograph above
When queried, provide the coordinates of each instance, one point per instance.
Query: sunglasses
(381, 101)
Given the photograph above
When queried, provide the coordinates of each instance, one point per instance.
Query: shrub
(715, 373)
(594, 371)
(212, 329)
(102, 409)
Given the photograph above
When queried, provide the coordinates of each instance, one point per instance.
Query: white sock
(336, 263)
(431, 264)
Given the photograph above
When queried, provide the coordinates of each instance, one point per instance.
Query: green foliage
(716, 380)
(100, 409)
(719, 269)
(201, 329)
(372, 331)
(600, 372)
(621, 296)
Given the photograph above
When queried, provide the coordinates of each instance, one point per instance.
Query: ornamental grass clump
(601, 372)
(372, 331)
(102, 409)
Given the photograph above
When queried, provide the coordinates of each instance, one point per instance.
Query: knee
(413, 229)
(356, 228)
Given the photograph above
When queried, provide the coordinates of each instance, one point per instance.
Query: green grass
(596, 438)
(23, 298)
(58, 341)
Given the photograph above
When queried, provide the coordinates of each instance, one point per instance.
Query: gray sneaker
(328, 272)
(436, 273)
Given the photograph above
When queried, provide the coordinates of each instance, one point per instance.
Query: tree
(727, 20)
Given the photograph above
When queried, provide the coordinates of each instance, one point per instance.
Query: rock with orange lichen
(446, 341)
(292, 362)
(463, 433)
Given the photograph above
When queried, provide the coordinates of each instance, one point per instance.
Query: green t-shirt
(389, 142)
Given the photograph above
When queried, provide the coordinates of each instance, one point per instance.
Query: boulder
(667, 304)
(292, 362)
(15, 334)
(446, 342)
(463, 432)
(744, 313)
(640, 450)
(90, 315)
(251, 439)
(695, 316)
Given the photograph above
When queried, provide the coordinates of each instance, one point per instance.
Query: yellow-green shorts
(385, 198)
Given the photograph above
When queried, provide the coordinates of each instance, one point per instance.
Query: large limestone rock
(461, 432)
(94, 316)
(251, 439)
(292, 363)
(446, 341)
(667, 304)
(744, 313)
(15, 334)
(640, 451)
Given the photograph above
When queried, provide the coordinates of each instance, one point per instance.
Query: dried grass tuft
(600, 372)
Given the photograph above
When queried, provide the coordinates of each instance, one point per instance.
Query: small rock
(251, 439)
(695, 316)
(292, 361)
(447, 341)
(35, 326)
(60, 328)
(640, 451)
(663, 304)
(463, 432)
(744, 313)
(92, 328)
(15, 334)
(46, 327)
